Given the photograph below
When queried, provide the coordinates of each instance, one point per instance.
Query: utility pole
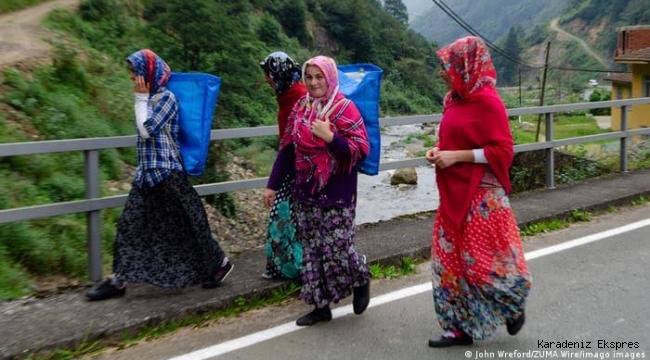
(559, 85)
(541, 98)
(519, 86)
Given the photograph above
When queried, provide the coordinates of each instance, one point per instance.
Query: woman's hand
(431, 153)
(443, 159)
(323, 130)
(269, 197)
(446, 158)
(139, 85)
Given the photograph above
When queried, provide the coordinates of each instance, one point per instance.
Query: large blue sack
(361, 83)
(197, 95)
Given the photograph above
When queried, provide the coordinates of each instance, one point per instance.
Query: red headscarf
(474, 117)
(313, 159)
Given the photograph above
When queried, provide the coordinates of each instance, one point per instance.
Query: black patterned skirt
(163, 237)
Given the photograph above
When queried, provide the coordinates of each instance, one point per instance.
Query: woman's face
(269, 80)
(315, 81)
(444, 75)
(131, 71)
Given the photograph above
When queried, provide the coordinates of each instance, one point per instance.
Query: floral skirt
(283, 248)
(479, 273)
(163, 237)
(331, 266)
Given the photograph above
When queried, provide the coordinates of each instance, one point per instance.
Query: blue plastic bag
(197, 95)
(361, 83)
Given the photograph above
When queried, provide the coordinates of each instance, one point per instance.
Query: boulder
(404, 176)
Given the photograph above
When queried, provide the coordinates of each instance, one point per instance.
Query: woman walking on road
(163, 235)
(283, 248)
(479, 273)
(324, 140)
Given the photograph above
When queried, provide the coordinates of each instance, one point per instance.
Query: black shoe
(451, 341)
(267, 275)
(516, 325)
(361, 298)
(316, 316)
(105, 290)
(220, 276)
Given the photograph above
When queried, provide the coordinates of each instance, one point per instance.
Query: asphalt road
(595, 295)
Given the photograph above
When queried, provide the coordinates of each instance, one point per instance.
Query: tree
(398, 10)
(506, 68)
(191, 25)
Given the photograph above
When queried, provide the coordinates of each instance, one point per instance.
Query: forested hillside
(85, 91)
(523, 28)
(597, 20)
(492, 18)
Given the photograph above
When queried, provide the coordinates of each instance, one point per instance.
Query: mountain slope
(437, 26)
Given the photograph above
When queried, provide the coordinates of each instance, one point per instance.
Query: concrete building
(633, 48)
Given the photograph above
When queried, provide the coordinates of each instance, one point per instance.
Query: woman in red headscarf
(479, 273)
(324, 140)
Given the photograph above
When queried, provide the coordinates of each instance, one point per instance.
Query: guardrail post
(624, 140)
(550, 154)
(93, 218)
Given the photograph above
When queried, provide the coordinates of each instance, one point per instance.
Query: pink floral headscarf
(468, 63)
(327, 66)
(313, 159)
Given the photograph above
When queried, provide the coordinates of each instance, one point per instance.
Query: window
(619, 92)
(646, 86)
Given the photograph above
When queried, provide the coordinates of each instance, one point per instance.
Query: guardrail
(93, 203)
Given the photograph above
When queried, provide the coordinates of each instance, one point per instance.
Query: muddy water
(378, 200)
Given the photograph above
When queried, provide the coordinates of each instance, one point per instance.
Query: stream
(380, 201)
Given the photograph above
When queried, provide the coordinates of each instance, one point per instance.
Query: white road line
(252, 339)
(587, 239)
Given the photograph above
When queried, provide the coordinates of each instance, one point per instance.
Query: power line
(587, 70)
(502, 52)
(474, 32)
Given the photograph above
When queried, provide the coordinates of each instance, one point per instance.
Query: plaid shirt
(156, 156)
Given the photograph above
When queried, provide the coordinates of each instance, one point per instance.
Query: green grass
(564, 127)
(556, 224)
(260, 156)
(640, 201)
(407, 267)
(575, 216)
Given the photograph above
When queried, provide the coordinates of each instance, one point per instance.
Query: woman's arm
(281, 168)
(141, 113)
(164, 109)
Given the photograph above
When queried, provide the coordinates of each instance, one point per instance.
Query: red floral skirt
(479, 274)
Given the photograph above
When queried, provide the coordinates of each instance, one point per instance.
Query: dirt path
(23, 37)
(563, 35)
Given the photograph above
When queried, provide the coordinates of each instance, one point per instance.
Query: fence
(93, 203)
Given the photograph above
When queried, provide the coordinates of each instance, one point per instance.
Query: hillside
(437, 26)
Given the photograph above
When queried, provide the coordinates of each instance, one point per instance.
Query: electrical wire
(474, 32)
(503, 52)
